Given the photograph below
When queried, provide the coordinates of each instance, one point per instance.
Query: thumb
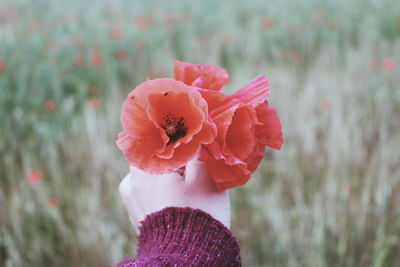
(196, 176)
(194, 171)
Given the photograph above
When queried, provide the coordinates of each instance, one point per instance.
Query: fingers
(195, 169)
(130, 198)
(197, 178)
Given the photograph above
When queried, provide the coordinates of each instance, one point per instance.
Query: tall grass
(330, 197)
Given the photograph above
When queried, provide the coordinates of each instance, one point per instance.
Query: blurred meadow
(330, 197)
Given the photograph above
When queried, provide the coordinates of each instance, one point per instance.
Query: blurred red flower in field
(33, 25)
(170, 21)
(267, 23)
(318, 21)
(94, 103)
(116, 33)
(2, 65)
(204, 76)
(164, 124)
(374, 63)
(49, 105)
(227, 39)
(121, 55)
(96, 58)
(388, 64)
(53, 203)
(6, 11)
(79, 61)
(333, 24)
(301, 28)
(143, 22)
(326, 104)
(34, 176)
(293, 56)
(246, 124)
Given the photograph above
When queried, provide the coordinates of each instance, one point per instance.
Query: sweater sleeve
(184, 237)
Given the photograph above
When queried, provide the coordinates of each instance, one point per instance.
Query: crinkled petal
(270, 133)
(200, 75)
(225, 176)
(255, 92)
(144, 141)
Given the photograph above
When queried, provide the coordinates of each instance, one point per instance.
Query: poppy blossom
(2, 65)
(96, 58)
(267, 23)
(246, 125)
(34, 176)
(164, 124)
(94, 103)
(79, 61)
(121, 55)
(52, 202)
(388, 64)
(49, 105)
(116, 33)
(204, 76)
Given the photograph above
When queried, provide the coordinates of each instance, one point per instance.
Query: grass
(330, 197)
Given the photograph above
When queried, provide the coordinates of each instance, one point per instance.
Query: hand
(144, 193)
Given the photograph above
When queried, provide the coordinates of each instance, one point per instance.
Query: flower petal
(240, 137)
(200, 75)
(151, 115)
(270, 132)
(255, 92)
(225, 176)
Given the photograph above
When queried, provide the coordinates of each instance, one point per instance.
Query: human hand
(143, 193)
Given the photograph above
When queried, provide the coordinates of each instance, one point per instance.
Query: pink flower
(79, 61)
(2, 64)
(49, 105)
(267, 23)
(94, 103)
(164, 122)
(388, 64)
(116, 33)
(121, 55)
(246, 125)
(53, 203)
(34, 176)
(96, 58)
(204, 76)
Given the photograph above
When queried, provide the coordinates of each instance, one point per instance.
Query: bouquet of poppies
(166, 122)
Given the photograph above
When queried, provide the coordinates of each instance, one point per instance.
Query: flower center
(174, 127)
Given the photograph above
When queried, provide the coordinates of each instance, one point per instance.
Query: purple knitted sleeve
(184, 237)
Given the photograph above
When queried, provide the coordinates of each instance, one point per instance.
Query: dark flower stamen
(174, 127)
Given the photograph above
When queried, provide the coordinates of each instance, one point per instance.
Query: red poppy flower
(94, 103)
(121, 55)
(79, 61)
(200, 75)
(116, 33)
(96, 58)
(34, 176)
(164, 124)
(49, 105)
(2, 65)
(388, 64)
(53, 203)
(245, 125)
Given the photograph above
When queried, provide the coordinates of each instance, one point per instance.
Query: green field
(330, 197)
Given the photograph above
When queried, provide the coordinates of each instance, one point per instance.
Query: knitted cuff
(190, 234)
